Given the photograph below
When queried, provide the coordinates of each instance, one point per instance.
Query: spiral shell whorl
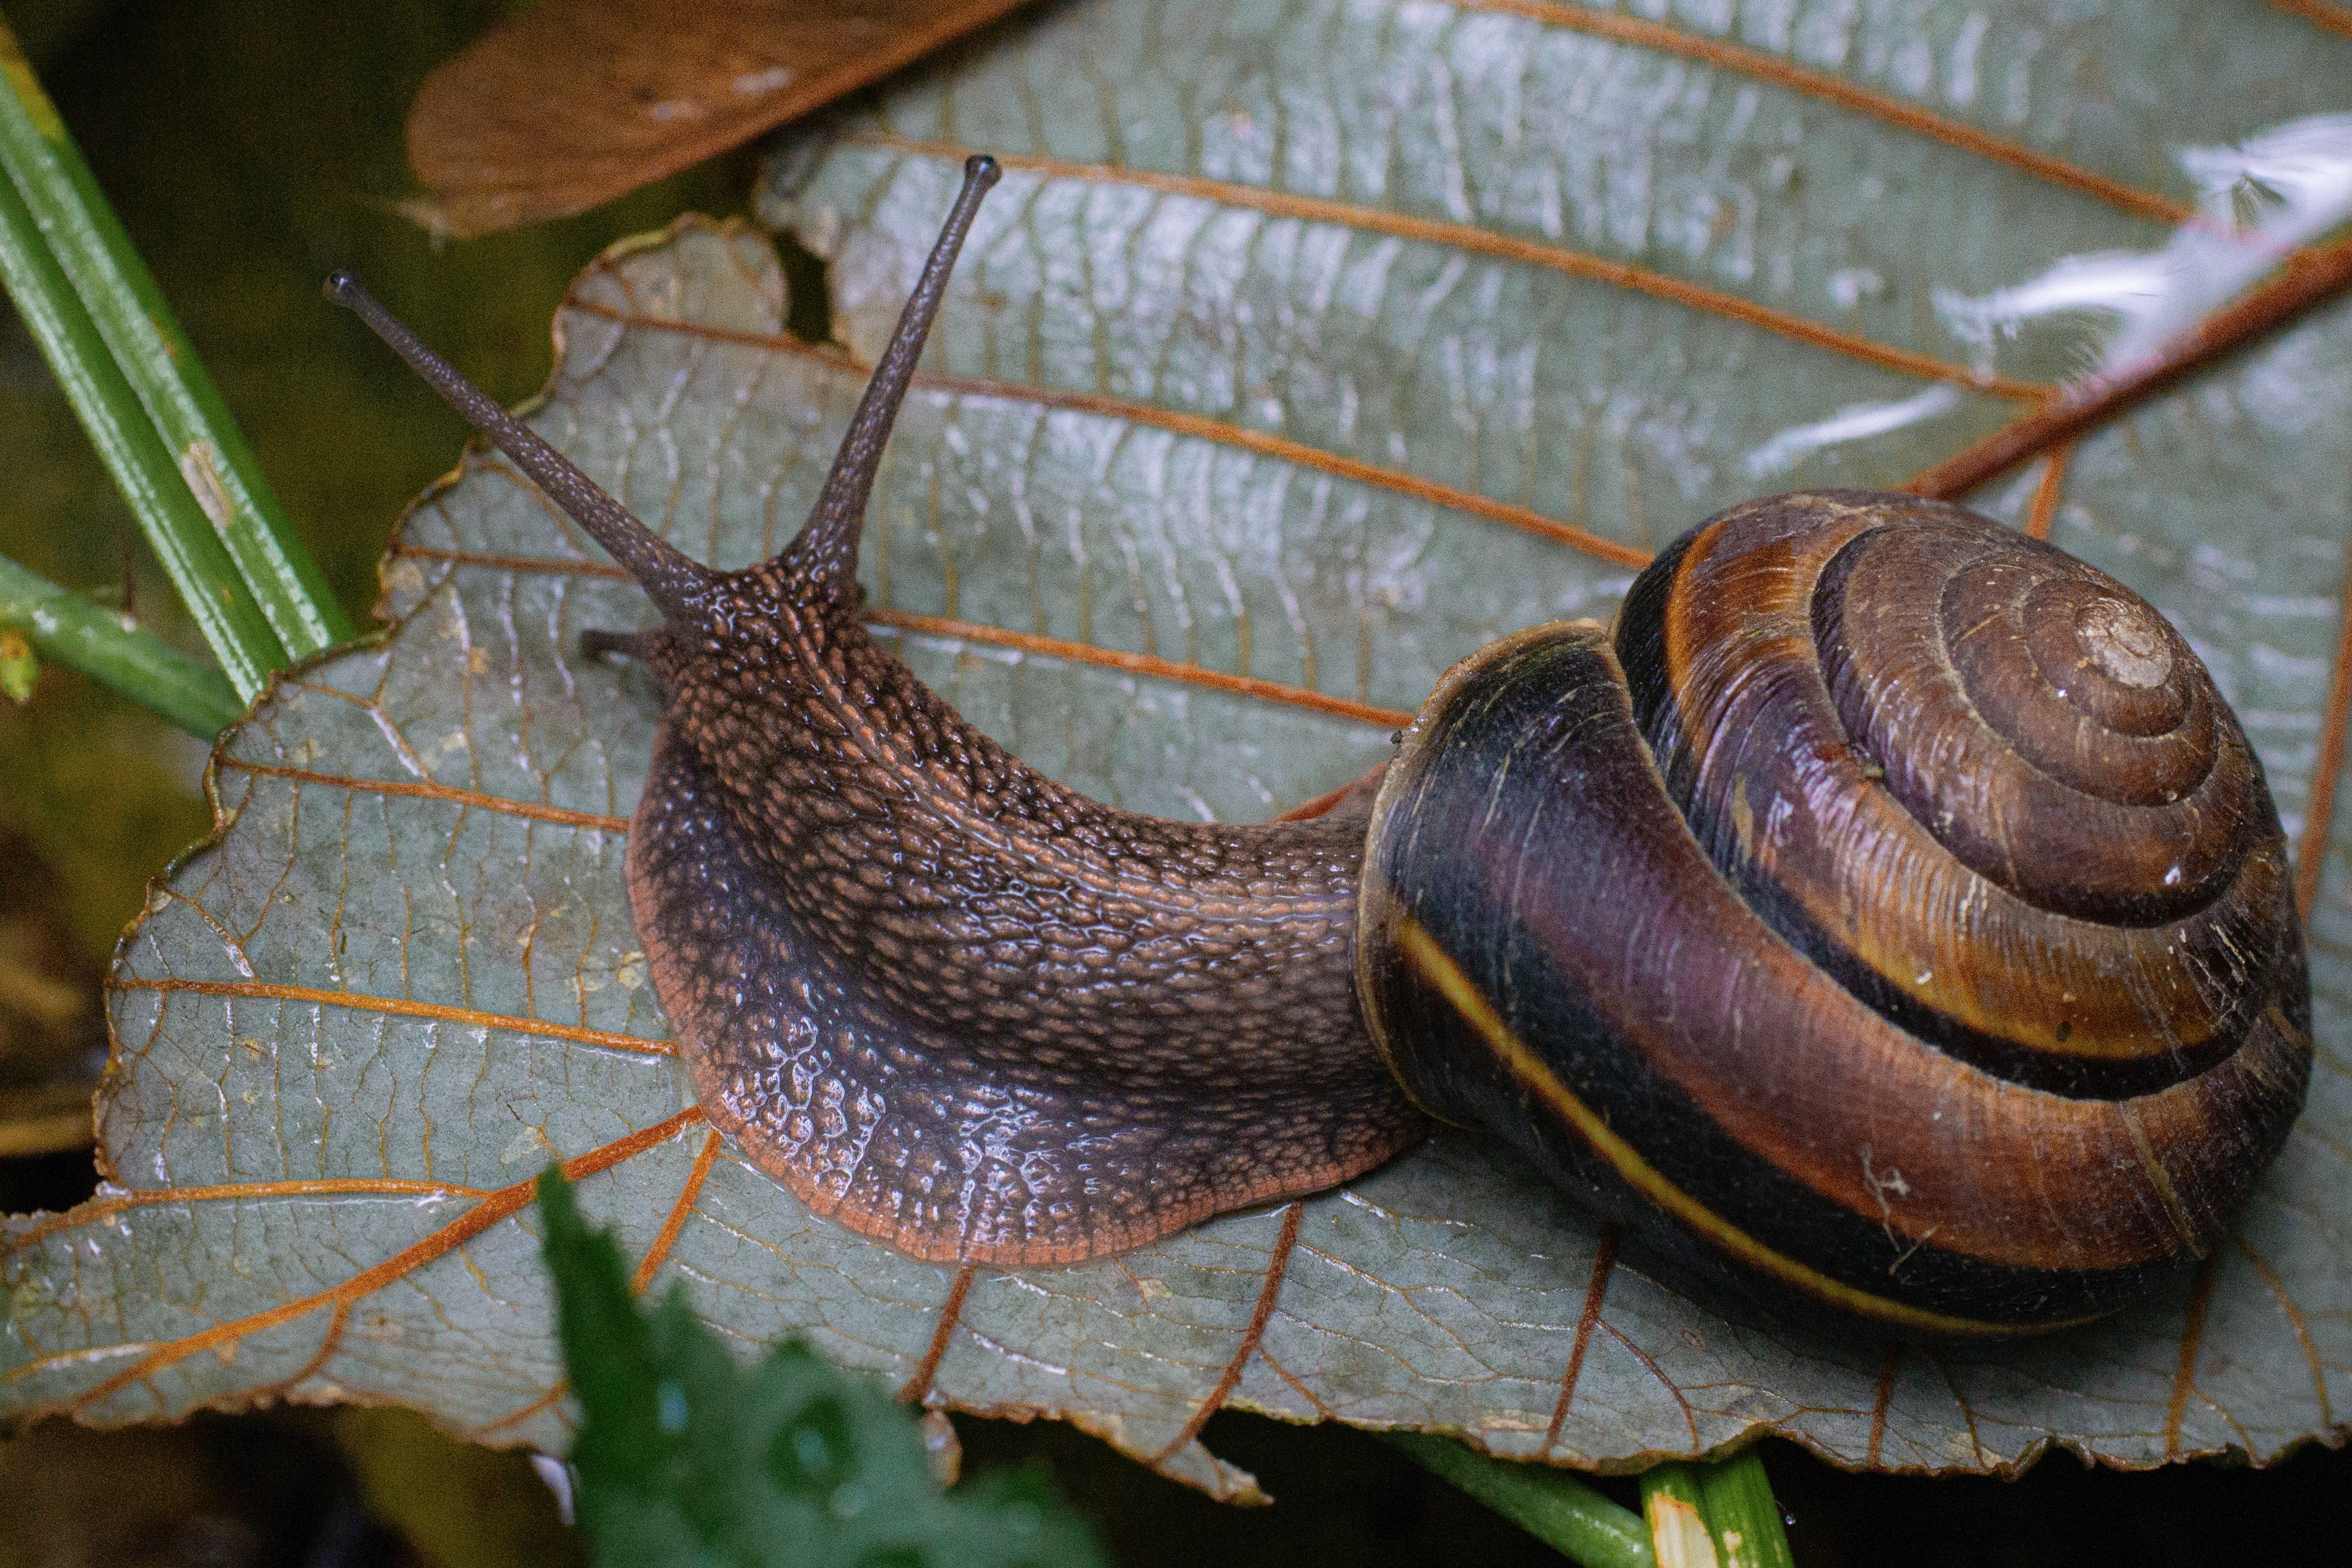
(1678, 930)
(2042, 722)
(1890, 727)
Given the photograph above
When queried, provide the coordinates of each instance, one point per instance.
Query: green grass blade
(182, 535)
(1550, 1504)
(163, 369)
(1742, 1513)
(1674, 1503)
(64, 626)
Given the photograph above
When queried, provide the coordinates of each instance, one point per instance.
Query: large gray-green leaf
(1298, 345)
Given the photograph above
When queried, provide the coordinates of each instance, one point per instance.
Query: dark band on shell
(1628, 907)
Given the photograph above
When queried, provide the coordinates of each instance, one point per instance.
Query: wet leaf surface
(1303, 350)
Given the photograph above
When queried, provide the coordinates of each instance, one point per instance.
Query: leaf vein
(1504, 248)
(403, 1006)
(1275, 1267)
(1771, 69)
(942, 626)
(500, 1204)
(1134, 412)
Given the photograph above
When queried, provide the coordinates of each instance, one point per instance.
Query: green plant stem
(1550, 1504)
(176, 528)
(64, 626)
(1674, 1503)
(208, 454)
(1742, 1513)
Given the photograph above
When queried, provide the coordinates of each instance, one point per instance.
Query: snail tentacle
(826, 546)
(674, 581)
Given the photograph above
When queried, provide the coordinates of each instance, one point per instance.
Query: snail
(1888, 912)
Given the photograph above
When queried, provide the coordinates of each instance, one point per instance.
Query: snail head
(821, 561)
(941, 997)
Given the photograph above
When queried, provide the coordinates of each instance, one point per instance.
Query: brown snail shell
(963, 1009)
(1763, 922)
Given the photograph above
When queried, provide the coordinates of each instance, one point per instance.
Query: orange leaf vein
(1269, 1291)
(100, 1209)
(2192, 1342)
(1001, 637)
(1604, 1262)
(2321, 14)
(1131, 411)
(1506, 247)
(428, 790)
(500, 1204)
(1768, 68)
(667, 1238)
(403, 1006)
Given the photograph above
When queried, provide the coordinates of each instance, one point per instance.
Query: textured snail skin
(944, 1001)
(1772, 998)
(962, 1009)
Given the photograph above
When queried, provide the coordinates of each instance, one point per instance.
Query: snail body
(1699, 914)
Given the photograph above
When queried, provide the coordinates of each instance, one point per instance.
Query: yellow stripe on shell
(1421, 949)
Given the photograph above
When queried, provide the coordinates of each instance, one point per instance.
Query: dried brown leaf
(578, 101)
